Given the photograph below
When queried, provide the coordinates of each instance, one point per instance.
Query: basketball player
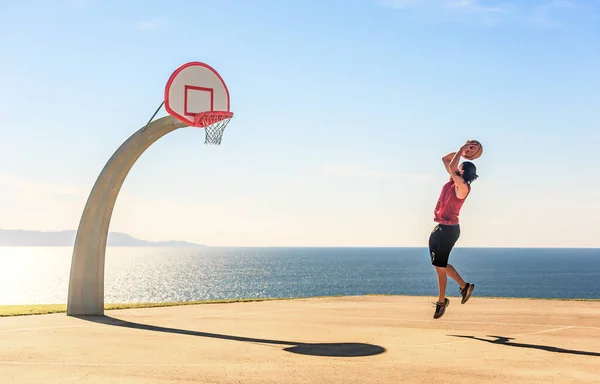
(447, 231)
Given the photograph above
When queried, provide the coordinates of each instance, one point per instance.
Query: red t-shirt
(448, 205)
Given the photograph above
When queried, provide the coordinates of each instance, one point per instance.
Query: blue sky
(343, 109)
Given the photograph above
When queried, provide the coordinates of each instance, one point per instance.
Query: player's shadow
(506, 341)
(312, 349)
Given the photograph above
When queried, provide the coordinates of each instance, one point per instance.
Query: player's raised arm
(447, 159)
(452, 159)
(453, 165)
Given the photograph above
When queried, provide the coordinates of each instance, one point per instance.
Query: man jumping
(447, 231)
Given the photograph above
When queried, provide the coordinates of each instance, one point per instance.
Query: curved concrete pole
(86, 283)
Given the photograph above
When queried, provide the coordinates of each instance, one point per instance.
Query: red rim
(205, 119)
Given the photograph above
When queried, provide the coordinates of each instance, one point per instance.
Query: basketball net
(214, 124)
(214, 132)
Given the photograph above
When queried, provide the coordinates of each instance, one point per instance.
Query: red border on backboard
(186, 89)
(172, 78)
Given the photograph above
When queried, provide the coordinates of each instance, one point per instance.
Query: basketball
(474, 150)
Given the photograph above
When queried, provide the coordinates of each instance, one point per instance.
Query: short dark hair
(469, 172)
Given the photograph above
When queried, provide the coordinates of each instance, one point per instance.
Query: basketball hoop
(197, 95)
(214, 124)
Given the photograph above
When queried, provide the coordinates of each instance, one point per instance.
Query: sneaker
(466, 292)
(440, 309)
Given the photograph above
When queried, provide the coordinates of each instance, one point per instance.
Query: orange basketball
(473, 151)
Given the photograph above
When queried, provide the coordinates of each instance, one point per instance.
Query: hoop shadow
(311, 349)
(506, 341)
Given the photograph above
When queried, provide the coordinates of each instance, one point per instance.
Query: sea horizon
(305, 246)
(137, 274)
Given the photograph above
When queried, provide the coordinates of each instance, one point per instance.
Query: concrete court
(364, 339)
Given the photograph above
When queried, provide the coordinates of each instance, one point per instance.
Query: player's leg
(451, 271)
(465, 288)
(442, 302)
(440, 245)
(438, 250)
(442, 283)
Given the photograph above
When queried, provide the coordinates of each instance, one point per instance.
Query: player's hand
(465, 146)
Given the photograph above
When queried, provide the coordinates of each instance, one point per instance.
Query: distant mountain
(18, 237)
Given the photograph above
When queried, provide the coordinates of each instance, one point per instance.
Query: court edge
(46, 309)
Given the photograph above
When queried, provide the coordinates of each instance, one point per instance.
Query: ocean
(40, 275)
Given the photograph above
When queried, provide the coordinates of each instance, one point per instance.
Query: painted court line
(98, 364)
(553, 330)
(469, 340)
(398, 319)
(319, 316)
(89, 364)
(288, 312)
(43, 328)
(129, 318)
(297, 312)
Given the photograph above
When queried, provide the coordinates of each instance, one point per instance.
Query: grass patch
(37, 309)
(45, 309)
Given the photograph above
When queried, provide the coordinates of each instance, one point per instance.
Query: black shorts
(441, 242)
